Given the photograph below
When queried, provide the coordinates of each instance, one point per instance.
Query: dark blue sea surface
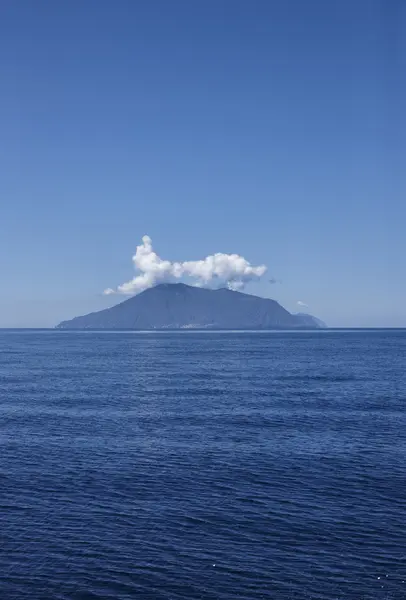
(210, 466)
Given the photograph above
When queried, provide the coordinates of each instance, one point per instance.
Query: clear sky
(271, 128)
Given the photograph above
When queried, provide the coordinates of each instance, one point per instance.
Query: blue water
(203, 465)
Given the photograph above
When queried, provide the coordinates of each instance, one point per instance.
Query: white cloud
(214, 270)
(302, 304)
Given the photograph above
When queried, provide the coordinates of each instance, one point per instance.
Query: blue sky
(273, 129)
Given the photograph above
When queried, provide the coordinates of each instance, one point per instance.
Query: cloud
(215, 270)
(302, 304)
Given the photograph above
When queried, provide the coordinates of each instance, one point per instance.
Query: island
(181, 306)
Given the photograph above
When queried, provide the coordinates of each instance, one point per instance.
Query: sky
(271, 129)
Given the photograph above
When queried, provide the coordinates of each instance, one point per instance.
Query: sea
(203, 465)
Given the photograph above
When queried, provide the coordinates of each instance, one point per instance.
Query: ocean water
(210, 466)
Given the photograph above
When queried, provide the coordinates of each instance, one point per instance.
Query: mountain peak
(170, 286)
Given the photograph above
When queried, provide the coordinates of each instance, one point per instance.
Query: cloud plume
(218, 269)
